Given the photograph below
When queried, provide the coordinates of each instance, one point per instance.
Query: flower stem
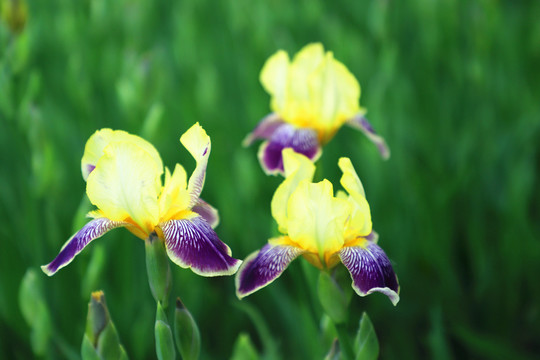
(344, 342)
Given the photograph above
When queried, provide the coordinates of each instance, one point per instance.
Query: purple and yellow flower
(323, 228)
(312, 97)
(123, 180)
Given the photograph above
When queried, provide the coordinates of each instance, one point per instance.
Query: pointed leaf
(366, 345)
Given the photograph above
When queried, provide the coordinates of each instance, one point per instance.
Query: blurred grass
(452, 85)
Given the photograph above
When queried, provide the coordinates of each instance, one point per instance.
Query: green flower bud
(164, 339)
(188, 338)
(244, 349)
(15, 14)
(100, 340)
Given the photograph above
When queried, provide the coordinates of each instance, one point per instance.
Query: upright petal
(297, 168)
(334, 94)
(197, 142)
(361, 123)
(264, 266)
(174, 196)
(316, 219)
(192, 243)
(302, 140)
(274, 78)
(265, 129)
(360, 221)
(370, 270)
(125, 184)
(92, 230)
(93, 150)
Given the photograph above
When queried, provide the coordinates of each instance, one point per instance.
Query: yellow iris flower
(324, 228)
(123, 174)
(312, 97)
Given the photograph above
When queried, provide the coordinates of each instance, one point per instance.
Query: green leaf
(332, 298)
(366, 345)
(244, 349)
(88, 352)
(109, 343)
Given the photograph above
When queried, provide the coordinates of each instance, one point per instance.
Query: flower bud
(188, 338)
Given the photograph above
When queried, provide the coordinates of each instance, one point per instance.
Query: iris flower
(324, 228)
(312, 96)
(123, 180)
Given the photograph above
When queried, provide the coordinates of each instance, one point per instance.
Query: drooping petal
(263, 267)
(361, 123)
(265, 129)
(197, 142)
(274, 78)
(297, 167)
(125, 184)
(207, 211)
(93, 150)
(370, 270)
(174, 196)
(360, 221)
(302, 141)
(316, 219)
(192, 243)
(92, 230)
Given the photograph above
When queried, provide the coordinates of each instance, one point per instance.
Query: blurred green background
(453, 86)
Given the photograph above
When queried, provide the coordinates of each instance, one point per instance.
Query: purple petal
(361, 123)
(93, 230)
(303, 141)
(192, 243)
(370, 270)
(207, 211)
(264, 130)
(261, 268)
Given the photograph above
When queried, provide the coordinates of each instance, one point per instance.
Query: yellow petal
(274, 78)
(125, 184)
(360, 221)
(316, 219)
(297, 168)
(93, 150)
(334, 94)
(197, 142)
(174, 197)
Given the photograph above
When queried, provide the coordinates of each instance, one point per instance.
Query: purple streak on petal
(303, 141)
(361, 123)
(261, 268)
(370, 271)
(192, 243)
(93, 230)
(207, 211)
(264, 130)
(86, 170)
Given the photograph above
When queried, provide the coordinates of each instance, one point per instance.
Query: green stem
(344, 342)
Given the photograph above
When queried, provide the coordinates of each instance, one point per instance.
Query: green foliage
(453, 86)
(35, 311)
(333, 300)
(366, 345)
